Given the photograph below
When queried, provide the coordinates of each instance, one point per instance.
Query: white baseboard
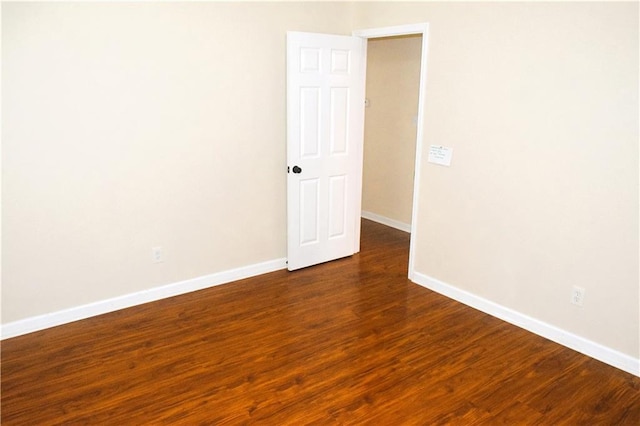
(563, 337)
(386, 221)
(53, 319)
(587, 347)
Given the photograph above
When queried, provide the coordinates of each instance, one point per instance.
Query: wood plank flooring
(348, 342)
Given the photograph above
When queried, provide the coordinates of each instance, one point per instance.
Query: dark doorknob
(297, 169)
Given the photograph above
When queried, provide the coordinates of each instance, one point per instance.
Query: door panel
(339, 120)
(337, 206)
(325, 125)
(309, 200)
(309, 122)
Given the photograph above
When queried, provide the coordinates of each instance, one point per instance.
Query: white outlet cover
(577, 295)
(156, 254)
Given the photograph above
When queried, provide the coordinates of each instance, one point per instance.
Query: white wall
(540, 104)
(132, 125)
(127, 126)
(393, 79)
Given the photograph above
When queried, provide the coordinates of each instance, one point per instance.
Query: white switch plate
(440, 155)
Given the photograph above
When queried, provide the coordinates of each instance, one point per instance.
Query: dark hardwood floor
(348, 342)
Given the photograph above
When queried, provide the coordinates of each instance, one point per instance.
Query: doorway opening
(394, 109)
(391, 115)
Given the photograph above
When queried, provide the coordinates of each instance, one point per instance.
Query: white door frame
(401, 30)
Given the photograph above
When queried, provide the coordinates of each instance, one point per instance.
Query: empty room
(349, 212)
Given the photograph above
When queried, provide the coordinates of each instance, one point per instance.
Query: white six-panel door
(325, 126)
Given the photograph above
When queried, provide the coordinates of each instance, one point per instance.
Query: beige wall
(393, 78)
(540, 103)
(128, 126)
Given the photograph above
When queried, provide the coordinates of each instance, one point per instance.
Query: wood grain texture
(347, 342)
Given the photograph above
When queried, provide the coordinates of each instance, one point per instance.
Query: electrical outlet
(577, 295)
(156, 254)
